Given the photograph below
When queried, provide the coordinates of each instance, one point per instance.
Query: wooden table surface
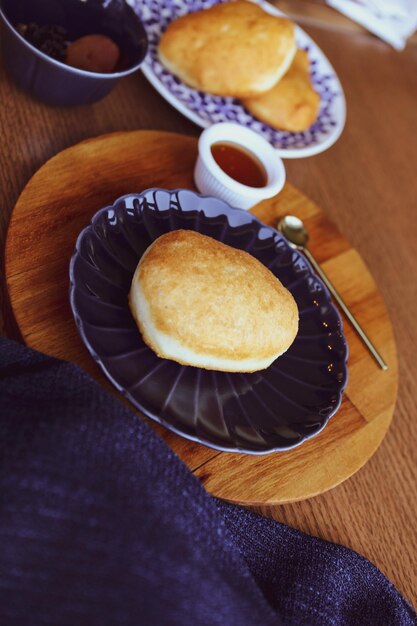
(367, 184)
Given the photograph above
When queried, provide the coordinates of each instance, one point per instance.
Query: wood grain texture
(62, 197)
(318, 13)
(366, 184)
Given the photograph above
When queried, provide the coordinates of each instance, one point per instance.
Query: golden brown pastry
(292, 104)
(232, 49)
(200, 302)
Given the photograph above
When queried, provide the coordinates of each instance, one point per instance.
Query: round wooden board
(60, 200)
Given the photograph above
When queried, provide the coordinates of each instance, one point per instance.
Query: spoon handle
(378, 358)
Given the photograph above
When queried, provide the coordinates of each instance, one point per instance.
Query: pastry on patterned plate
(231, 49)
(203, 303)
(292, 104)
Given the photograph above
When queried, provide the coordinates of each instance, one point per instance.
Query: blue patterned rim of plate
(274, 409)
(205, 109)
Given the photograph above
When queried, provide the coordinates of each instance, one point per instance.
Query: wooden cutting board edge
(352, 435)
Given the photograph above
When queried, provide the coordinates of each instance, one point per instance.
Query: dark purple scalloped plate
(271, 410)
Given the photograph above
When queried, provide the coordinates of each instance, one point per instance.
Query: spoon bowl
(294, 231)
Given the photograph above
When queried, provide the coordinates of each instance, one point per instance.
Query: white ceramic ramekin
(211, 180)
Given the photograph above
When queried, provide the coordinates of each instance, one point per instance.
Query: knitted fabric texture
(101, 524)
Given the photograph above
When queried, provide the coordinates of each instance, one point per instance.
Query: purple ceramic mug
(53, 81)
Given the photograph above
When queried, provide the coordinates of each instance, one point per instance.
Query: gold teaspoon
(296, 234)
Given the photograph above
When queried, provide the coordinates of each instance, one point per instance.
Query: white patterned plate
(205, 109)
